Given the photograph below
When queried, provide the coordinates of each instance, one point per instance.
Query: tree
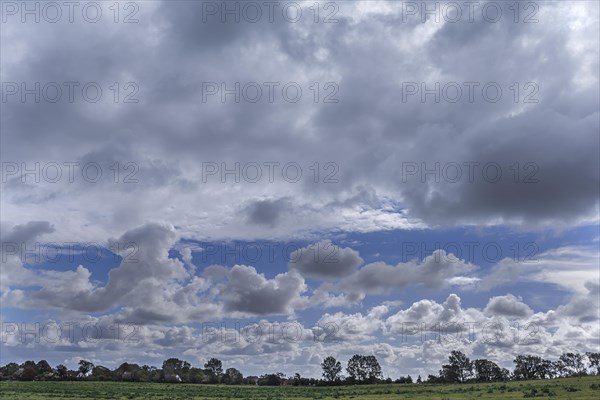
(196, 375)
(175, 370)
(61, 370)
(175, 366)
(546, 369)
(488, 371)
(419, 379)
(573, 363)
(458, 369)
(364, 368)
(43, 367)
(356, 368)
(85, 366)
(331, 369)
(101, 373)
(528, 367)
(434, 379)
(9, 369)
(270, 380)
(29, 373)
(558, 369)
(215, 366)
(373, 369)
(131, 372)
(233, 377)
(594, 361)
(402, 379)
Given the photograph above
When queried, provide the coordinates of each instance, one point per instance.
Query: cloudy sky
(273, 183)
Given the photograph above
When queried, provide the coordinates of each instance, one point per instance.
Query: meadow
(564, 388)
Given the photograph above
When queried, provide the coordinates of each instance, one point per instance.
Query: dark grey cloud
(249, 292)
(27, 232)
(268, 212)
(434, 272)
(325, 260)
(369, 133)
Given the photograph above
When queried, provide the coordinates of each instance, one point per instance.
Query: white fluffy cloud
(415, 340)
(569, 267)
(508, 306)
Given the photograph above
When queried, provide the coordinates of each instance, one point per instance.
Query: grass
(570, 388)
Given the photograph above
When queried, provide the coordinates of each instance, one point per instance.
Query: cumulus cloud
(26, 233)
(416, 339)
(569, 267)
(352, 327)
(325, 260)
(433, 272)
(508, 306)
(356, 176)
(150, 286)
(250, 292)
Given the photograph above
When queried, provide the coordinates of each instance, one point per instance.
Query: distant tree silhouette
(215, 366)
(85, 366)
(489, 371)
(361, 369)
(331, 369)
(233, 377)
(528, 367)
(61, 370)
(364, 368)
(458, 369)
(43, 367)
(573, 363)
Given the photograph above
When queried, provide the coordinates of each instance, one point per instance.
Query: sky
(272, 183)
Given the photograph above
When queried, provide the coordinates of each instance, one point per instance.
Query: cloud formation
(179, 166)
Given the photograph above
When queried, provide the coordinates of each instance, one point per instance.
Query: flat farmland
(570, 388)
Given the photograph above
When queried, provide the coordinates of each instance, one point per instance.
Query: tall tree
(233, 376)
(594, 361)
(364, 368)
(558, 369)
(573, 363)
(174, 368)
(489, 371)
(215, 366)
(61, 370)
(331, 369)
(85, 366)
(9, 369)
(29, 371)
(356, 368)
(528, 367)
(43, 367)
(373, 369)
(458, 369)
(546, 369)
(196, 375)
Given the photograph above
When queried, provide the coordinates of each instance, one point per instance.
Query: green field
(570, 388)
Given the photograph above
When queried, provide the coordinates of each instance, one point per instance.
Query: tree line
(360, 369)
